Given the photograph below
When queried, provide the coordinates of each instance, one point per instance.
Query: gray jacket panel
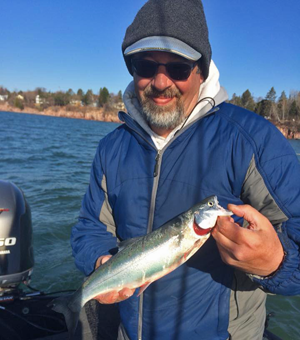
(106, 215)
(256, 193)
(247, 309)
(247, 301)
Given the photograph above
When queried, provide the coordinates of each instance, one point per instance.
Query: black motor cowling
(16, 251)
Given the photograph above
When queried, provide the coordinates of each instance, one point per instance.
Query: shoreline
(288, 129)
(85, 113)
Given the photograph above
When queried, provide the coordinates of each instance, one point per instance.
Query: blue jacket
(232, 153)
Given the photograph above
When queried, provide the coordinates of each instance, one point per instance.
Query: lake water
(49, 158)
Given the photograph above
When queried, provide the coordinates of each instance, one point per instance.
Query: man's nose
(161, 79)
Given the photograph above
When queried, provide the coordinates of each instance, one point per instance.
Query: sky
(63, 44)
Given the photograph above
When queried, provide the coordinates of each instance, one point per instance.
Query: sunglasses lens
(144, 68)
(179, 71)
(147, 69)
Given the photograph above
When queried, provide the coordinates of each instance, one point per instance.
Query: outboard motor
(16, 251)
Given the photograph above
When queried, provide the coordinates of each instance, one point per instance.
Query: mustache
(151, 92)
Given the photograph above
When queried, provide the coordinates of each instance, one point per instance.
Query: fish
(145, 259)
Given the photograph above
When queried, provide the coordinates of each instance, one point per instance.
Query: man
(180, 142)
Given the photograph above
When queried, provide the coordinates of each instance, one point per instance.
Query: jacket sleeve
(272, 186)
(94, 235)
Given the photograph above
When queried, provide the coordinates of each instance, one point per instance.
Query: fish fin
(144, 287)
(126, 243)
(61, 305)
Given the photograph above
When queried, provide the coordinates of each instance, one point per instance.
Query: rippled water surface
(49, 158)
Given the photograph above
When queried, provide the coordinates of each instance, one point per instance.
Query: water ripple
(49, 158)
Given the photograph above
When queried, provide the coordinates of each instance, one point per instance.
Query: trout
(145, 259)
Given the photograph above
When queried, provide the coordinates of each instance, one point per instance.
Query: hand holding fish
(256, 249)
(113, 296)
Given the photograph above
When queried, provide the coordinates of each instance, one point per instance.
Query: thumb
(251, 215)
(238, 210)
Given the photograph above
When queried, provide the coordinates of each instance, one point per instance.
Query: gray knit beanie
(177, 26)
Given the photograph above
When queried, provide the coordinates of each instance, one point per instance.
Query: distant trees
(70, 93)
(294, 111)
(247, 101)
(295, 106)
(271, 109)
(284, 108)
(61, 99)
(88, 98)
(103, 96)
(19, 103)
(279, 108)
(120, 96)
(271, 95)
(80, 93)
(40, 91)
(30, 98)
(262, 107)
(236, 100)
(282, 105)
(4, 91)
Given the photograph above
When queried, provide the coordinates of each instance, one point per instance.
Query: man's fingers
(226, 252)
(225, 235)
(105, 259)
(231, 251)
(255, 219)
(101, 260)
(226, 228)
(235, 239)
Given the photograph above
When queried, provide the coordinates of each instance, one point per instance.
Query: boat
(26, 312)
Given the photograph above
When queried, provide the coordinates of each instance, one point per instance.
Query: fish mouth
(201, 231)
(206, 217)
(223, 212)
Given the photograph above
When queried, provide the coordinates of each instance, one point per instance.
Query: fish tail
(61, 305)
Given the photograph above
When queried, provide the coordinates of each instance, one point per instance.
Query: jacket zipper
(157, 158)
(156, 175)
(156, 172)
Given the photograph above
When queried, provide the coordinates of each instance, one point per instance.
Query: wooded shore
(88, 113)
(289, 129)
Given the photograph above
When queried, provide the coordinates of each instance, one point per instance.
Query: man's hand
(113, 296)
(255, 250)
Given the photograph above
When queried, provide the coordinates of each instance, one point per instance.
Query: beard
(162, 117)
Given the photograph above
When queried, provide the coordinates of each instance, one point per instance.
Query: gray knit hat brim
(183, 20)
(165, 44)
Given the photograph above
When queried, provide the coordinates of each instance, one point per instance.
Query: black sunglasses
(148, 68)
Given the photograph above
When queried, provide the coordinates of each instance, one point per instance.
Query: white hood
(209, 89)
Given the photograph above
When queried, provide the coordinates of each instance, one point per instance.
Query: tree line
(279, 109)
(42, 99)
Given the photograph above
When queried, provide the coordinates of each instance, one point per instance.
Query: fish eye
(210, 204)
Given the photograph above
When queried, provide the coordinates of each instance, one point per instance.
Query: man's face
(165, 101)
